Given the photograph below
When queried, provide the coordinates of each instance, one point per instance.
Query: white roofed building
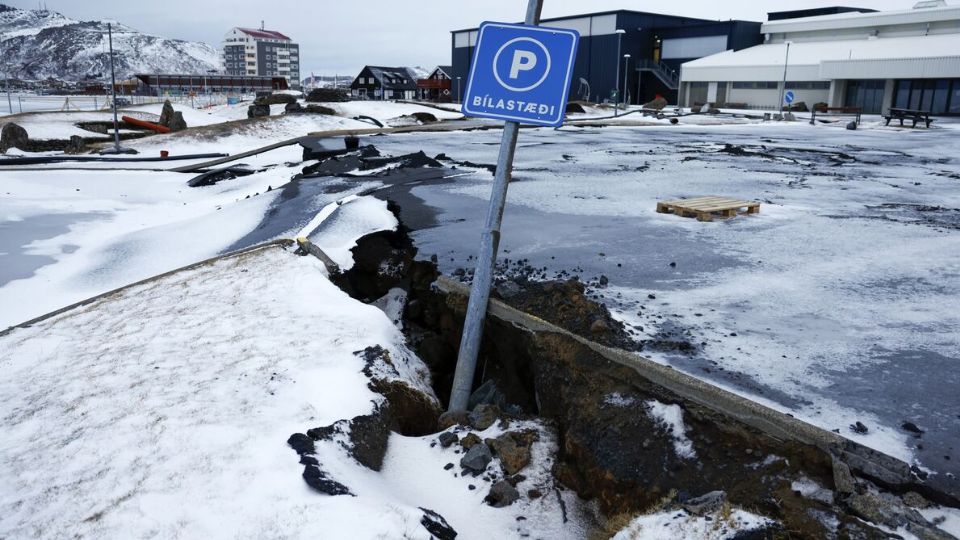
(857, 58)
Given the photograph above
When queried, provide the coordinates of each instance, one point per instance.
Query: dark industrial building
(380, 82)
(657, 45)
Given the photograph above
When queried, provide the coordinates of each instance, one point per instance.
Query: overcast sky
(342, 36)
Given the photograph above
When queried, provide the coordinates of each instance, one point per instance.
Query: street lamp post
(626, 77)
(783, 88)
(459, 96)
(113, 94)
(616, 101)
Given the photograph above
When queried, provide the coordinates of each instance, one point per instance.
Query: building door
(657, 47)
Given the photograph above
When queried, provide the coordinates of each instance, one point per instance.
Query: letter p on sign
(522, 61)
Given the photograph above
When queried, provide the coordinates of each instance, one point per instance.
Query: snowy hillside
(38, 44)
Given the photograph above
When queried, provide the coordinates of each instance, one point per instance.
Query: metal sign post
(520, 73)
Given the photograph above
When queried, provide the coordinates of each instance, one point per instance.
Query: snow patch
(679, 524)
(671, 416)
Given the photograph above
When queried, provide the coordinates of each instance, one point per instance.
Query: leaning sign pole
(521, 74)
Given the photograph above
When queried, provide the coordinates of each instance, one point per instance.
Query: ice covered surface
(679, 524)
(164, 411)
(839, 291)
(671, 418)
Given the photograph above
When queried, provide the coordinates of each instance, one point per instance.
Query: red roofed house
(258, 51)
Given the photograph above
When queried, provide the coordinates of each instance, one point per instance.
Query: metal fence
(24, 103)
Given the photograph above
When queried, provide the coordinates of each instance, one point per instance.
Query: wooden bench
(856, 112)
(908, 114)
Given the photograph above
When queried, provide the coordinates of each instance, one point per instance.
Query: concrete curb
(866, 461)
(283, 243)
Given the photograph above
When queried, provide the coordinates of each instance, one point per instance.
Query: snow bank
(358, 217)
(164, 410)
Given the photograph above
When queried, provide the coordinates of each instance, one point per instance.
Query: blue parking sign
(521, 73)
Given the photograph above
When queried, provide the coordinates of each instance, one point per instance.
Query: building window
(808, 85)
(867, 94)
(939, 96)
(755, 85)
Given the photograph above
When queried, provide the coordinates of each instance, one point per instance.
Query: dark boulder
(177, 123)
(258, 111)
(13, 136)
(166, 114)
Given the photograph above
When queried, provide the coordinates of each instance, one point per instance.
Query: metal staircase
(665, 73)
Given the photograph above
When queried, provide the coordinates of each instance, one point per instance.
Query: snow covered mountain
(38, 44)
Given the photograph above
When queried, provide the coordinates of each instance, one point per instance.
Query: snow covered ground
(833, 304)
(164, 411)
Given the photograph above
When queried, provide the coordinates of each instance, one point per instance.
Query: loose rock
(502, 494)
(453, 418)
(436, 525)
(470, 441)
(476, 459)
(513, 456)
(483, 416)
(447, 438)
(705, 504)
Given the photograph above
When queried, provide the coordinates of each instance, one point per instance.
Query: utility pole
(489, 243)
(616, 102)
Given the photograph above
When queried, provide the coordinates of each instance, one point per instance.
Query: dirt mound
(328, 95)
(566, 304)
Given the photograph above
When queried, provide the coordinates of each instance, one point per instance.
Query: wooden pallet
(706, 208)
